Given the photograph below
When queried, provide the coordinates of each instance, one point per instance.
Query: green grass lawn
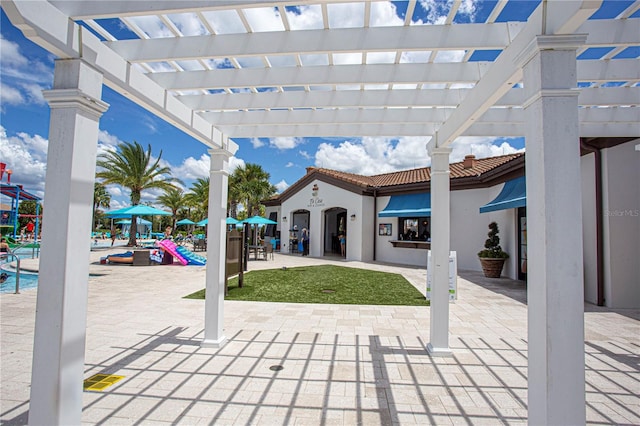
(324, 284)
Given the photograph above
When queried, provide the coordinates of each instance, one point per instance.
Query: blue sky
(26, 70)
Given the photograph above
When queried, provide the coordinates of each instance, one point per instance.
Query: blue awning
(408, 205)
(513, 195)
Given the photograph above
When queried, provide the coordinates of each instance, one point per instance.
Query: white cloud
(289, 164)
(282, 185)
(263, 19)
(305, 18)
(34, 93)
(192, 169)
(25, 156)
(372, 156)
(23, 79)
(305, 155)
(257, 142)
(225, 21)
(345, 15)
(481, 147)
(115, 190)
(188, 24)
(437, 10)
(10, 55)
(384, 14)
(107, 142)
(151, 25)
(10, 96)
(285, 142)
(234, 163)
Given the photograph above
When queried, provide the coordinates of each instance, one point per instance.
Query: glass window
(414, 228)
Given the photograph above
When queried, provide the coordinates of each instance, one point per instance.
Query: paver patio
(343, 364)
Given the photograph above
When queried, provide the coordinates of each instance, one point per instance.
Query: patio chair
(199, 244)
(268, 251)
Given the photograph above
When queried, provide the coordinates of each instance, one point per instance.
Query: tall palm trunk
(133, 230)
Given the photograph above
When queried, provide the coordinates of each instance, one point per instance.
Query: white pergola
(224, 69)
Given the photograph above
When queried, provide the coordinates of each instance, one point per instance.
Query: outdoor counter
(411, 244)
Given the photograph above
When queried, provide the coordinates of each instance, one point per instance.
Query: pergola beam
(592, 96)
(441, 73)
(329, 117)
(340, 40)
(495, 36)
(98, 9)
(393, 130)
(414, 73)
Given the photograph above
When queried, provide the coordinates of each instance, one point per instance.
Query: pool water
(28, 281)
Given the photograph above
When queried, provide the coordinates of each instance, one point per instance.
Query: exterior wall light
(353, 217)
(284, 218)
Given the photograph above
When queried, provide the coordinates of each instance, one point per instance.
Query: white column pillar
(60, 328)
(440, 222)
(216, 249)
(554, 215)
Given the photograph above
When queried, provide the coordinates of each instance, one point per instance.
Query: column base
(216, 344)
(438, 351)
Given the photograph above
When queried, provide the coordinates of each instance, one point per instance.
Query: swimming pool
(28, 281)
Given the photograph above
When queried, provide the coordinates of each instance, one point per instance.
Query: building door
(522, 243)
(335, 219)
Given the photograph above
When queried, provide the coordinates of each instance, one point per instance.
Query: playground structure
(9, 213)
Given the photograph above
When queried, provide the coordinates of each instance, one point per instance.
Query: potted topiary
(492, 258)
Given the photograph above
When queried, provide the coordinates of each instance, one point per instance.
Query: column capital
(75, 98)
(441, 150)
(549, 42)
(440, 160)
(220, 152)
(219, 161)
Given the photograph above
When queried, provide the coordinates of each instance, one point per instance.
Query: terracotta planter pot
(492, 267)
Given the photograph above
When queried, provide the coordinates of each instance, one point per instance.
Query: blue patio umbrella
(137, 210)
(259, 220)
(230, 221)
(185, 222)
(139, 221)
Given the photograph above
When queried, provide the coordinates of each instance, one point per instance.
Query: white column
(60, 328)
(554, 215)
(216, 249)
(440, 222)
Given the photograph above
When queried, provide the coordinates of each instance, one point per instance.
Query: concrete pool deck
(343, 364)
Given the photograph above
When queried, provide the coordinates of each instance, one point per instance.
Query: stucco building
(386, 217)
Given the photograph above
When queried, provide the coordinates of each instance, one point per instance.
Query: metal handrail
(7, 256)
(35, 248)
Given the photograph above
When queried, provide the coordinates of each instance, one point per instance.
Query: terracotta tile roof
(478, 167)
(482, 165)
(403, 177)
(423, 174)
(353, 178)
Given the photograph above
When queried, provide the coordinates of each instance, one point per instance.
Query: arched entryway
(299, 220)
(335, 223)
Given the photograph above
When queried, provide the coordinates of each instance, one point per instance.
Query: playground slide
(170, 247)
(192, 258)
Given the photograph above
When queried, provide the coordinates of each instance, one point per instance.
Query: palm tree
(249, 185)
(101, 198)
(174, 199)
(131, 167)
(199, 196)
